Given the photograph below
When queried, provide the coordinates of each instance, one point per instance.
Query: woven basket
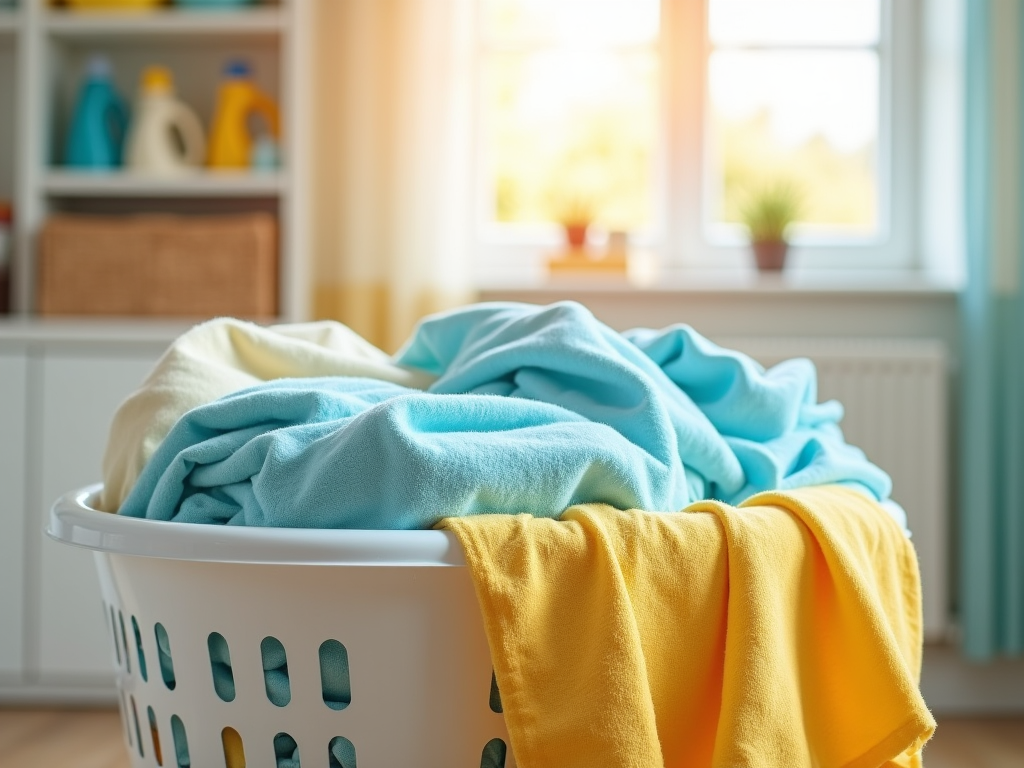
(191, 266)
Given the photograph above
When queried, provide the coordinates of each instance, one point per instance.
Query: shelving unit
(200, 184)
(167, 22)
(51, 47)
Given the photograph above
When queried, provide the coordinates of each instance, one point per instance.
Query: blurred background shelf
(127, 184)
(44, 54)
(9, 21)
(165, 22)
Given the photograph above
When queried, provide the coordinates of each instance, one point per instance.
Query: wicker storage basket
(192, 266)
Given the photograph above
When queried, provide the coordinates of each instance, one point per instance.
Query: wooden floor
(48, 738)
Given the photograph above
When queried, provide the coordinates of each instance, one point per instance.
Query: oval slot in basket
(181, 754)
(163, 652)
(154, 734)
(138, 730)
(495, 698)
(286, 751)
(494, 754)
(335, 680)
(124, 643)
(341, 753)
(275, 672)
(138, 649)
(113, 635)
(123, 704)
(220, 666)
(234, 751)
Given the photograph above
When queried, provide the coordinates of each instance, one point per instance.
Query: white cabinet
(79, 395)
(60, 384)
(13, 389)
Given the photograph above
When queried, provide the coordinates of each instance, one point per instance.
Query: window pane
(794, 22)
(592, 23)
(803, 118)
(568, 129)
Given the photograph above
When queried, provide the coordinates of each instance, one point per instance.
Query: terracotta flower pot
(770, 255)
(576, 235)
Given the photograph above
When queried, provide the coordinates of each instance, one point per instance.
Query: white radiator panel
(896, 400)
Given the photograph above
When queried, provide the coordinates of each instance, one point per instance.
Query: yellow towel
(786, 632)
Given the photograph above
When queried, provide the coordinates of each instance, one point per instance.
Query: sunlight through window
(667, 120)
(794, 92)
(571, 110)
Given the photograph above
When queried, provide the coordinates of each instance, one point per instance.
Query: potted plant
(767, 215)
(576, 214)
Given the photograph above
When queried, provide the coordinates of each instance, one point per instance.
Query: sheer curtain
(392, 162)
(991, 514)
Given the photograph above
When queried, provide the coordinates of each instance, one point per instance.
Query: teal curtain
(990, 523)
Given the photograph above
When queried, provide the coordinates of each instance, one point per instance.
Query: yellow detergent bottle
(230, 142)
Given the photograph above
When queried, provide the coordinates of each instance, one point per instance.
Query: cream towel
(223, 356)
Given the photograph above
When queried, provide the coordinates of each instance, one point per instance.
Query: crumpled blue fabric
(534, 409)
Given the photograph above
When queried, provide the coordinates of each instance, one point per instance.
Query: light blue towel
(534, 409)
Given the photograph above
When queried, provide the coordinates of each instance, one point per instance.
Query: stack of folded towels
(545, 440)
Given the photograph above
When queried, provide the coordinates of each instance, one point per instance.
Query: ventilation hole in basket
(286, 751)
(124, 643)
(163, 652)
(123, 703)
(495, 700)
(494, 754)
(220, 666)
(154, 734)
(334, 676)
(341, 753)
(138, 648)
(105, 608)
(113, 635)
(275, 672)
(180, 743)
(234, 752)
(138, 731)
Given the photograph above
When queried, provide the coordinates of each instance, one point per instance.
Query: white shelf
(127, 184)
(171, 21)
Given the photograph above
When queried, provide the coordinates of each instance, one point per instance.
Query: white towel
(223, 356)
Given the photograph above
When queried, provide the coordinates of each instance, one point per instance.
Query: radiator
(896, 400)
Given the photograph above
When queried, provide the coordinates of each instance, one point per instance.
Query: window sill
(865, 283)
(744, 304)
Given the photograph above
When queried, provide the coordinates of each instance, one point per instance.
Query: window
(571, 110)
(793, 95)
(660, 118)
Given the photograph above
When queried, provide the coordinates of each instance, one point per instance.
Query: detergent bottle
(99, 121)
(230, 140)
(166, 137)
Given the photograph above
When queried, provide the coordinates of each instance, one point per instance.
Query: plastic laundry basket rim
(73, 520)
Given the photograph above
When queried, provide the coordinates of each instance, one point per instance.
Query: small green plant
(575, 209)
(768, 212)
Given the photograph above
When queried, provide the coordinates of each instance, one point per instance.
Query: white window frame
(680, 235)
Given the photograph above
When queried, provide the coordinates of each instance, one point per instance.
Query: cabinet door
(80, 394)
(13, 407)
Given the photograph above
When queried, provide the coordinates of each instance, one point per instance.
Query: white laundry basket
(400, 602)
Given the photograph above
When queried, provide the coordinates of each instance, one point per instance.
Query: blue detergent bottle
(99, 121)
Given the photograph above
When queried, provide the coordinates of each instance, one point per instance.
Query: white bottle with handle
(165, 137)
